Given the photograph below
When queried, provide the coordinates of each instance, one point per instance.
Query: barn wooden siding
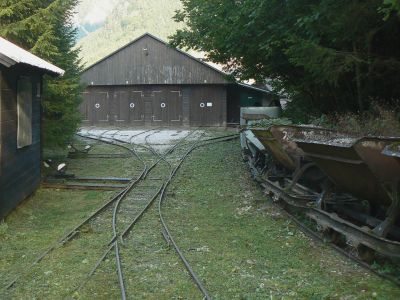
(19, 168)
(148, 60)
(155, 105)
(149, 83)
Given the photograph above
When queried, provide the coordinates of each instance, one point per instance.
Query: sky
(93, 11)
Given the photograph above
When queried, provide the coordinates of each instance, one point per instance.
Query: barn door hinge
(118, 120)
(105, 120)
(140, 120)
(179, 119)
(154, 120)
(179, 93)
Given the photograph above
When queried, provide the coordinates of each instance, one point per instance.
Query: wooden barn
(147, 82)
(20, 123)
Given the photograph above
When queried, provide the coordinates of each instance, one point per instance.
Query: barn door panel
(160, 108)
(175, 107)
(84, 107)
(197, 104)
(136, 107)
(206, 106)
(211, 111)
(120, 105)
(100, 107)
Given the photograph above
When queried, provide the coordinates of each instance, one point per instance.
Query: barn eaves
(11, 54)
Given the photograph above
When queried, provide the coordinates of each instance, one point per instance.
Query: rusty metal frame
(354, 233)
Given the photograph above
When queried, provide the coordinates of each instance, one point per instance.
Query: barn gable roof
(11, 54)
(150, 60)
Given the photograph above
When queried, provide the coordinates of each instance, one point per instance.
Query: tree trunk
(358, 80)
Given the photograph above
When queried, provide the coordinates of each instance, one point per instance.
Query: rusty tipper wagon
(20, 114)
(357, 195)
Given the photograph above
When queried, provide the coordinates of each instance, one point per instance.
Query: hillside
(106, 25)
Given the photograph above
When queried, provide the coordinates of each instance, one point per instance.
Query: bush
(378, 120)
(3, 230)
(300, 111)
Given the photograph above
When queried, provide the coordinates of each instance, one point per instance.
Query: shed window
(24, 112)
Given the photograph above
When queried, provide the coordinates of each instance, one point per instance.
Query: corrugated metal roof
(11, 54)
(252, 87)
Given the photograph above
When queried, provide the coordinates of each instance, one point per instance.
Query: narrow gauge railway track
(166, 232)
(119, 235)
(74, 232)
(287, 209)
(117, 238)
(161, 192)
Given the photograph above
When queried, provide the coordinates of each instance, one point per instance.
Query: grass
(239, 244)
(86, 166)
(244, 248)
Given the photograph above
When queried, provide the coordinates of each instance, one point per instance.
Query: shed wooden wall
(160, 64)
(140, 105)
(19, 168)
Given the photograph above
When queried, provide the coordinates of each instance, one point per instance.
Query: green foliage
(328, 55)
(378, 120)
(390, 6)
(45, 28)
(301, 110)
(3, 229)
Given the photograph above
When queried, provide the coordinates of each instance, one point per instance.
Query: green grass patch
(239, 244)
(242, 246)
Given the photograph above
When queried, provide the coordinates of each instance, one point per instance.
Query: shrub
(378, 120)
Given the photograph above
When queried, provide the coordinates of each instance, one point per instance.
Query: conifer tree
(44, 27)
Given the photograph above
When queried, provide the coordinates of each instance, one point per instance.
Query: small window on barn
(24, 112)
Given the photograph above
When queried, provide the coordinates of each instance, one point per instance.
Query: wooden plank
(90, 178)
(20, 168)
(83, 186)
(175, 103)
(160, 64)
(208, 106)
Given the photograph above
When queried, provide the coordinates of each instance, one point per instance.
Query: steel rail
(269, 186)
(127, 230)
(116, 244)
(133, 136)
(317, 237)
(72, 233)
(114, 225)
(167, 234)
(113, 244)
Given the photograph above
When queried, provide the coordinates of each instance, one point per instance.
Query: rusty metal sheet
(354, 164)
(278, 139)
(385, 168)
(275, 146)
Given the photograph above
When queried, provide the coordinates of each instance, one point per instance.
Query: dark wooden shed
(20, 123)
(147, 82)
